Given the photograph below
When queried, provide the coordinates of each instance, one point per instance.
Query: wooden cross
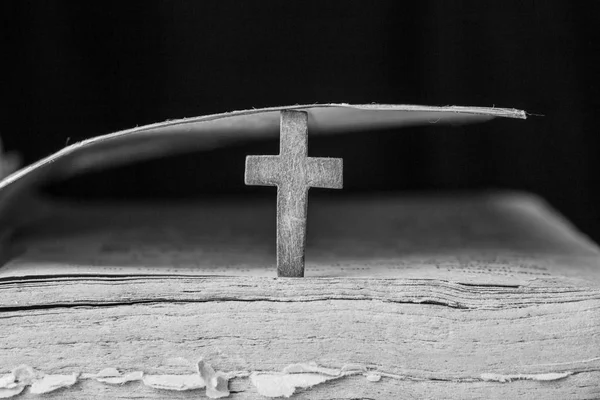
(293, 172)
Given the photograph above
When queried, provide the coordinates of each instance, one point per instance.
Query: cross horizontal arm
(325, 172)
(262, 170)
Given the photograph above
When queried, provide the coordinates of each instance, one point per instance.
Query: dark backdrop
(75, 69)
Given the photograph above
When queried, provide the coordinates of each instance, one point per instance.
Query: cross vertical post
(293, 172)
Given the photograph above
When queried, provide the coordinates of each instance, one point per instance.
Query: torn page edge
(552, 376)
(269, 384)
(15, 382)
(50, 383)
(305, 376)
(216, 382)
(174, 382)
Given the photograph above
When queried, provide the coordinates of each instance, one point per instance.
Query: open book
(483, 295)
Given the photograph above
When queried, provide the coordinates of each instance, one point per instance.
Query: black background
(74, 70)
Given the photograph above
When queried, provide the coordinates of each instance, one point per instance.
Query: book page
(500, 239)
(214, 131)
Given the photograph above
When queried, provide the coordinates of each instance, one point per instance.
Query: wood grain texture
(293, 172)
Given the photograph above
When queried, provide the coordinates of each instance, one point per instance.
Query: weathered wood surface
(470, 300)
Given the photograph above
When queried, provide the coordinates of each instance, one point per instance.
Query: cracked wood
(293, 172)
